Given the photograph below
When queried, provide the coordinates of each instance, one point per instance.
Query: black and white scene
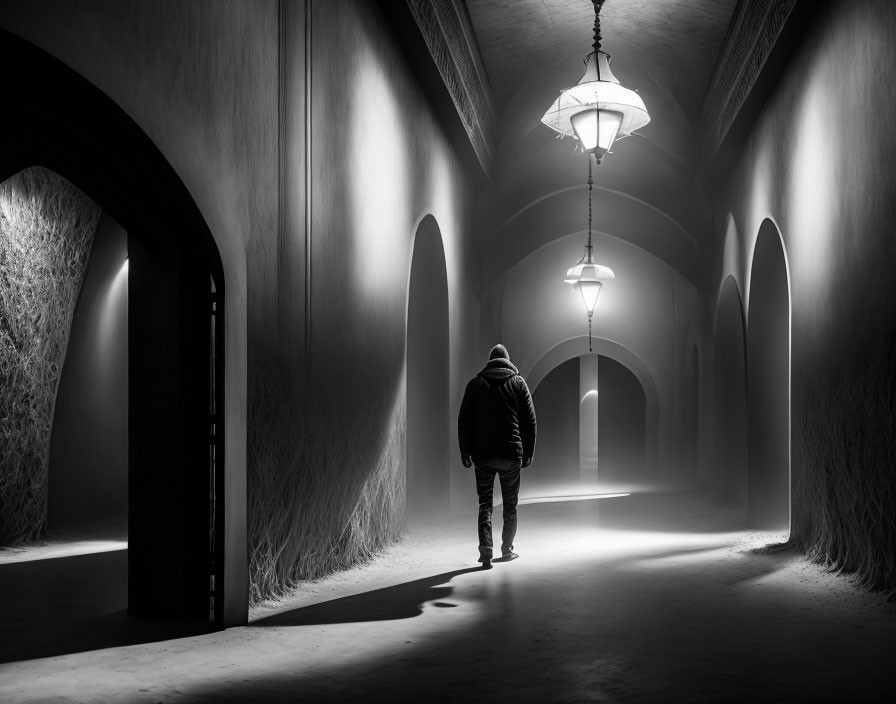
(506, 351)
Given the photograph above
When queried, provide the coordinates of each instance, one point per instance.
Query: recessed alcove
(768, 383)
(427, 376)
(88, 468)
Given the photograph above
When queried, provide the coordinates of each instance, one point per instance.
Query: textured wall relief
(323, 494)
(46, 232)
(845, 444)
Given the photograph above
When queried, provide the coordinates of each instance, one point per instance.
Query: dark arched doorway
(620, 440)
(728, 479)
(768, 383)
(175, 300)
(427, 376)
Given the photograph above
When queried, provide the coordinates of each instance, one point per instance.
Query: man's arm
(527, 422)
(465, 425)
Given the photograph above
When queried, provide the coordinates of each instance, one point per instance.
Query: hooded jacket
(497, 417)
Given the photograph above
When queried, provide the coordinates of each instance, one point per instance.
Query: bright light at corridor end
(575, 497)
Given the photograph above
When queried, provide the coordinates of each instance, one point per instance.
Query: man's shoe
(486, 562)
(508, 555)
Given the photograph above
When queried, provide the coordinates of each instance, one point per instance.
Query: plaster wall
(392, 167)
(88, 477)
(818, 164)
(365, 163)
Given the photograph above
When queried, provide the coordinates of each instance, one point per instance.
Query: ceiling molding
(448, 34)
(751, 39)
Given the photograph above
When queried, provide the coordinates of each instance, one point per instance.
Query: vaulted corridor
(284, 284)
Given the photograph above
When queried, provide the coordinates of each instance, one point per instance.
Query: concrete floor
(658, 601)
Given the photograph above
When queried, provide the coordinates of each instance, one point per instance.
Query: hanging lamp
(598, 110)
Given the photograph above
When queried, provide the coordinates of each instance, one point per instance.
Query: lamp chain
(590, 245)
(590, 188)
(598, 4)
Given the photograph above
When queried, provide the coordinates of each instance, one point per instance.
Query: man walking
(496, 430)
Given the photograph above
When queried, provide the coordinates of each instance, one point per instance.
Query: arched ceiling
(650, 217)
(677, 42)
(665, 49)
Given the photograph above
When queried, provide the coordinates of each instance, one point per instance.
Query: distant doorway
(428, 424)
(616, 413)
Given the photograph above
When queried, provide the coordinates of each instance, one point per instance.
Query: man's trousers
(508, 472)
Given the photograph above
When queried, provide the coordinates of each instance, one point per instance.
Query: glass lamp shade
(597, 90)
(596, 129)
(588, 277)
(590, 291)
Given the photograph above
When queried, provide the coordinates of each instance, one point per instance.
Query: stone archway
(572, 347)
(618, 446)
(176, 293)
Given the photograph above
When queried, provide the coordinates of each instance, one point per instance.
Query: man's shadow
(401, 601)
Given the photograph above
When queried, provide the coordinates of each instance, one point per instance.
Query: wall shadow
(387, 604)
(75, 604)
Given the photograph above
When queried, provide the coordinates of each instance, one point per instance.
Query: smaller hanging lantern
(588, 277)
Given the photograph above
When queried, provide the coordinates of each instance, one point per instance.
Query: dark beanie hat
(498, 352)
